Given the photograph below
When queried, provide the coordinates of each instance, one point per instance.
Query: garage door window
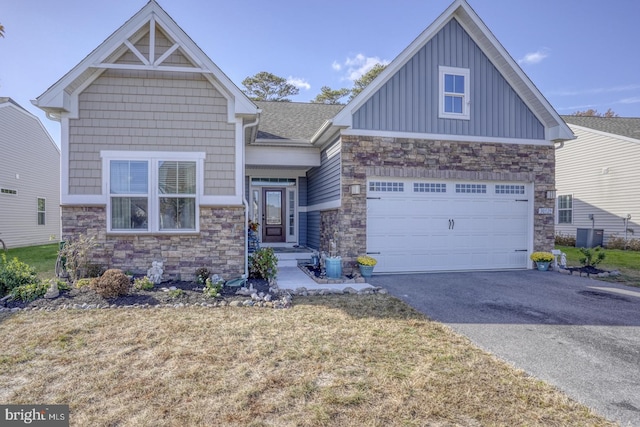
(429, 187)
(471, 188)
(386, 186)
(509, 189)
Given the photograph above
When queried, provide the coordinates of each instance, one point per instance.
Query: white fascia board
(443, 137)
(260, 156)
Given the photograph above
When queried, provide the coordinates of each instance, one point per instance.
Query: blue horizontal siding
(323, 182)
(408, 101)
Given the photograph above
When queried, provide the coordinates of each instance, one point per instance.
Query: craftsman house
(444, 162)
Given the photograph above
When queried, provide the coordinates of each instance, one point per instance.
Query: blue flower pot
(543, 265)
(366, 270)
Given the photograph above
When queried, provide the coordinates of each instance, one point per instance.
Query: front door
(273, 209)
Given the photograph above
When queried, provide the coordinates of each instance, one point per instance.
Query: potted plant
(366, 264)
(542, 260)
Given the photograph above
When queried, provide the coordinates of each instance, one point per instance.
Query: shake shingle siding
(408, 102)
(144, 111)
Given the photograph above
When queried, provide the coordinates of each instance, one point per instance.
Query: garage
(432, 225)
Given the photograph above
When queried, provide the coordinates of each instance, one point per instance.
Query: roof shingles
(625, 126)
(293, 120)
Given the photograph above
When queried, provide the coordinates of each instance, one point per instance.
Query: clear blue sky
(580, 53)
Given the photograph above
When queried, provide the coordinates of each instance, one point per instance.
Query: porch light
(355, 188)
(551, 194)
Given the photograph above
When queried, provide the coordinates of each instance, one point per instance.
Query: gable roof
(149, 21)
(555, 128)
(6, 102)
(624, 126)
(292, 121)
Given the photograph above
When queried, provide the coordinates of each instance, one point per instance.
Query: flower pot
(333, 266)
(366, 270)
(543, 265)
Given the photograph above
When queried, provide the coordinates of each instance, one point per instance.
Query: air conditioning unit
(589, 237)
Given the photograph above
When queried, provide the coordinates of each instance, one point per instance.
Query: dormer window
(454, 93)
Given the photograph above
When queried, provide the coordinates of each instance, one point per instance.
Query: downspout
(245, 202)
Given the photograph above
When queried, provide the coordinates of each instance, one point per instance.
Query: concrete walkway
(292, 278)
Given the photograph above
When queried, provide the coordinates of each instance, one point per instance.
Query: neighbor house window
(42, 211)
(155, 194)
(565, 209)
(454, 87)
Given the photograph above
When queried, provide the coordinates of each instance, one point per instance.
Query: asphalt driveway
(580, 334)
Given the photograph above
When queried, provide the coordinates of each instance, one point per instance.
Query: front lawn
(42, 258)
(627, 262)
(343, 360)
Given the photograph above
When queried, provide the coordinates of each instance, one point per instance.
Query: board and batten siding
(600, 171)
(151, 111)
(30, 165)
(408, 101)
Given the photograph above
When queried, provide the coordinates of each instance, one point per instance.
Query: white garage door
(415, 226)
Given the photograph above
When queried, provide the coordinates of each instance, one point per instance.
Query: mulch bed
(191, 294)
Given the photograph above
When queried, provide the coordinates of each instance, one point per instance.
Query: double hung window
(565, 209)
(153, 194)
(454, 93)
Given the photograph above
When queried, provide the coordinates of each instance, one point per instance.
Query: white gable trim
(496, 53)
(56, 100)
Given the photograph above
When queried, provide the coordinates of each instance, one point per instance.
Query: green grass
(627, 262)
(42, 258)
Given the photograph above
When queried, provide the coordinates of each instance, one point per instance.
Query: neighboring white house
(29, 179)
(598, 177)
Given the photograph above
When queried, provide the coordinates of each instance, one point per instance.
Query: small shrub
(76, 252)
(111, 284)
(565, 240)
(176, 293)
(30, 291)
(15, 273)
(202, 274)
(213, 288)
(143, 283)
(263, 264)
(591, 258)
(63, 285)
(83, 282)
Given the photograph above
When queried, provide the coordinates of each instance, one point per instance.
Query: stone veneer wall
(364, 156)
(219, 246)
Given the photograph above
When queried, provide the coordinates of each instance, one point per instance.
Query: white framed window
(565, 209)
(42, 210)
(454, 93)
(153, 192)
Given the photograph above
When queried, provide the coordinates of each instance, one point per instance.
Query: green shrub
(82, 283)
(565, 240)
(263, 264)
(212, 288)
(15, 273)
(111, 284)
(31, 291)
(591, 258)
(143, 283)
(176, 293)
(95, 270)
